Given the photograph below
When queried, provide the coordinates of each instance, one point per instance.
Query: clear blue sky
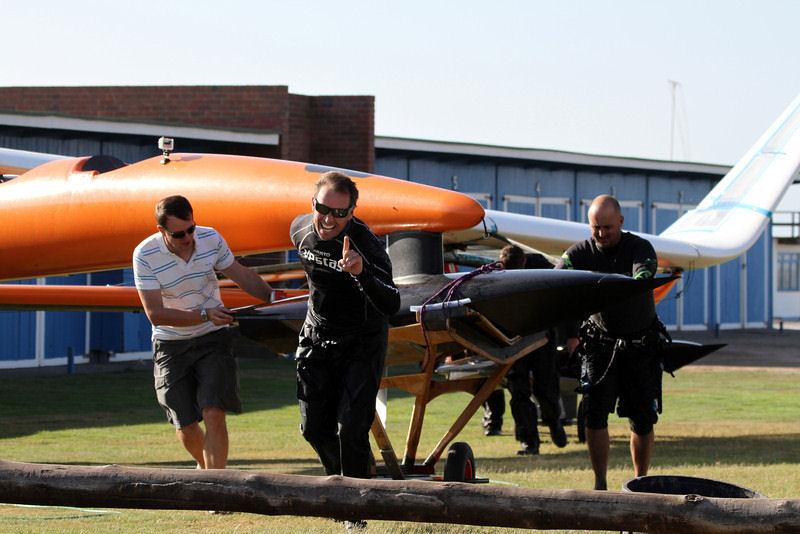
(586, 76)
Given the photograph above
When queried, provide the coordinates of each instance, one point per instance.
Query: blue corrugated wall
(18, 332)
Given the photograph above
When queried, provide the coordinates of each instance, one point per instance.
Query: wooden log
(408, 500)
(347, 498)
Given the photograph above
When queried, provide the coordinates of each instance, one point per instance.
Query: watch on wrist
(203, 314)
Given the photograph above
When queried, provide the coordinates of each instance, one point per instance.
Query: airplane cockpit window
(102, 164)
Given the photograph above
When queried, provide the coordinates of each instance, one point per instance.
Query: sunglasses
(182, 233)
(339, 213)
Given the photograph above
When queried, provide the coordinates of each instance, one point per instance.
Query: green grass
(740, 426)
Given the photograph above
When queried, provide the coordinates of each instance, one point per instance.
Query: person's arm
(645, 261)
(379, 287)
(571, 328)
(160, 316)
(374, 277)
(249, 281)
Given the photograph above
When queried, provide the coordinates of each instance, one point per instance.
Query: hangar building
(268, 121)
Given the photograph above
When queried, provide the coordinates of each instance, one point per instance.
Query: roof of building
(546, 155)
(125, 127)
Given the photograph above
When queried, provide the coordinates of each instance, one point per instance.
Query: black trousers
(542, 366)
(337, 382)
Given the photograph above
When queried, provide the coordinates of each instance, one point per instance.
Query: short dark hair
(340, 183)
(175, 206)
(512, 257)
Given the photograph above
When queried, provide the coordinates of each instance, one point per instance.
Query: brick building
(266, 121)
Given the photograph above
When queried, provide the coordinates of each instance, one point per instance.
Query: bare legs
(209, 448)
(642, 452)
(598, 441)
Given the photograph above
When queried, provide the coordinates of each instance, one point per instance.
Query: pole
(70, 361)
(673, 89)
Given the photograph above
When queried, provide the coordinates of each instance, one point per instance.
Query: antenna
(677, 120)
(673, 86)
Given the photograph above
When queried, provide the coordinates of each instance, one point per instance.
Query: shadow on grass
(49, 403)
(239, 462)
(669, 452)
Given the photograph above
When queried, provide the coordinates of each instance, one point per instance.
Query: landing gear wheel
(460, 463)
(580, 423)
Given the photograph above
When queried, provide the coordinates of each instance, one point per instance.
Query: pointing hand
(351, 261)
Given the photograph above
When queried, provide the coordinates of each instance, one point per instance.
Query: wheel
(459, 466)
(580, 423)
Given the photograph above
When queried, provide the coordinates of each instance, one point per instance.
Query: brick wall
(341, 127)
(331, 130)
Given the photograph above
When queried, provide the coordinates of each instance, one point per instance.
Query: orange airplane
(71, 215)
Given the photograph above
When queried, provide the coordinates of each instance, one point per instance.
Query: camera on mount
(166, 145)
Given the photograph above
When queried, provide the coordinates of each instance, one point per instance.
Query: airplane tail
(724, 225)
(730, 219)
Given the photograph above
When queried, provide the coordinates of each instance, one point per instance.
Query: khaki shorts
(193, 374)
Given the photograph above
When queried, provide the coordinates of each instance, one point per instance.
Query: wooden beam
(486, 389)
(387, 451)
(421, 400)
(389, 500)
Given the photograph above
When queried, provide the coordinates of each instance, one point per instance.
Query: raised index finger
(345, 245)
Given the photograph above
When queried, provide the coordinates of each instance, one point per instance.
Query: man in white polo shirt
(196, 376)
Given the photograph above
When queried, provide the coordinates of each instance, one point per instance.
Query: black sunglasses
(182, 233)
(339, 213)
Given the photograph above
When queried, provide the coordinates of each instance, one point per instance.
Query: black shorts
(193, 374)
(633, 378)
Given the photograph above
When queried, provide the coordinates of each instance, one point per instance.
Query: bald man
(619, 347)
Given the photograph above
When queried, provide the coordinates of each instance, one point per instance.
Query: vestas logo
(316, 257)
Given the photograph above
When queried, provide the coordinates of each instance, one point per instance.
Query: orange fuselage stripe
(102, 297)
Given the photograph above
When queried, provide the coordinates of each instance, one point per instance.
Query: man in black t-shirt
(620, 345)
(343, 342)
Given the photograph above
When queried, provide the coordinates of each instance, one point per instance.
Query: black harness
(595, 340)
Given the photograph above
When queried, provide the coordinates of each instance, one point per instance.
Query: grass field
(740, 426)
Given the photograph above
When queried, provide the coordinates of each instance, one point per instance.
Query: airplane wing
(14, 162)
(520, 302)
(118, 298)
(101, 298)
(723, 226)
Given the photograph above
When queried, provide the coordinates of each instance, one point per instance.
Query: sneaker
(355, 524)
(491, 431)
(528, 450)
(220, 512)
(558, 435)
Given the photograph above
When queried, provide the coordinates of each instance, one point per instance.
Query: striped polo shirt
(185, 285)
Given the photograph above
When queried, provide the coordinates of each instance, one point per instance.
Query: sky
(585, 76)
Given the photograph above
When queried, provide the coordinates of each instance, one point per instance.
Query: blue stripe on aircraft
(726, 206)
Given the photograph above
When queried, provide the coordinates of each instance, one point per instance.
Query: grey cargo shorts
(193, 374)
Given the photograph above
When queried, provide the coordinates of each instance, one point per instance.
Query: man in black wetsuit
(539, 365)
(620, 345)
(343, 342)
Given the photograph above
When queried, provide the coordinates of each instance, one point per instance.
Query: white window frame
(538, 202)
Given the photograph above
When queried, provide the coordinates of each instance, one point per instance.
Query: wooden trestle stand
(461, 337)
